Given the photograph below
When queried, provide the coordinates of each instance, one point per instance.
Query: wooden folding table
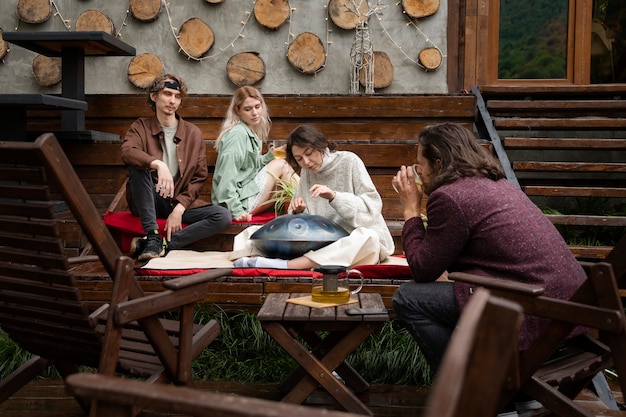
(329, 336)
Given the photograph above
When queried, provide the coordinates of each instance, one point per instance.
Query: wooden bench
(567, 147)
(380, 129)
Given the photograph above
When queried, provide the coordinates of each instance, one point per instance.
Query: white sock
(260, 262)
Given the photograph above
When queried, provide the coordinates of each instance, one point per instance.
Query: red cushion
(129, 226)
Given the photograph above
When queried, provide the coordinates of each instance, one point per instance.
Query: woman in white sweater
(336, 185)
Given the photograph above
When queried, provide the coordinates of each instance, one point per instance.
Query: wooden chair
(41, 307)
(470, 381)
(555, 368)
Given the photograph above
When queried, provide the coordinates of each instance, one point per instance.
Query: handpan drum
(292, 235)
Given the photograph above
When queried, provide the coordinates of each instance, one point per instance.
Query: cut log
(195, 37)
(383, 70)
(420, 8)
(95, 20)
(4, 47)
(34, 11)
(47, 70)
(430, 58)
(345, 15)
(271, 14)
(143, 69)
(245, 68)
(146, 10)
(307, 53)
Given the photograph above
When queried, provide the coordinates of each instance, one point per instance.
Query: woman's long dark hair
(306, 136)
(460, 153)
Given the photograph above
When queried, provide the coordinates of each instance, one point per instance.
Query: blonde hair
(232, 119)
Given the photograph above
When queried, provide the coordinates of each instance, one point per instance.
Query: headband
(174, 85)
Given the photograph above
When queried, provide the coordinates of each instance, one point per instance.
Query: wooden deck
(47, 398)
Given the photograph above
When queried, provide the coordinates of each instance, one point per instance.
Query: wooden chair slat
(32, 175)
(41, 306)
(38, 211)
(32, 244)
(29, 226)
(35, 275)
(26, 192)
(40, 288)
(32, 258)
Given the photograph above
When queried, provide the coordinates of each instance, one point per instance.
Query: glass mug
(418, 180)
(279, 153)
(334, 284)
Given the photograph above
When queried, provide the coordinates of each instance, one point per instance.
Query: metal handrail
(486, 130)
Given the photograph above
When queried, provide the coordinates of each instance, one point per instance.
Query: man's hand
(165, 184)
(174, 221)
(410, 194)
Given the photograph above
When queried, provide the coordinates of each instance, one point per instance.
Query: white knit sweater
(357, 203)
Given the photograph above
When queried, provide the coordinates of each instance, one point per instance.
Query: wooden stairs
(567, 149)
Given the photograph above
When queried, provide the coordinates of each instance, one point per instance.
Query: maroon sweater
(490, 228)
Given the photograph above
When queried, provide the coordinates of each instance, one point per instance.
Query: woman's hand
(323, 191)
(244, 217)
(297, 206)
(410, 194)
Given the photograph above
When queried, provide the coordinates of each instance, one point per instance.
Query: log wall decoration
(4, 46)
(245, 68)
(271, 14)
(383, 71)
(195, 38)
(420, 8)
(143, 69)
(307, 53)
(344, 14)
(95, 20)
(47, 70)
(430, 58)
(34, 11)
(146, 10)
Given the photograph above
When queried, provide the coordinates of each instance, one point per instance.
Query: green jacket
(239, 158)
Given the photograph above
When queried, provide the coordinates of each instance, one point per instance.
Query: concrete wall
(390, 32)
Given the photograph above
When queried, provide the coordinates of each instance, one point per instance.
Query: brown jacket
(142, 145)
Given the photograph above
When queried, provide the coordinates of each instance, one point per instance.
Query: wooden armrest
(114, 393)
(180, 292)
(96, 315)
(199, 278)
(496, 284)
(82, 259)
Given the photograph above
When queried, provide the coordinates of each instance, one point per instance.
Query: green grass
(245, 352)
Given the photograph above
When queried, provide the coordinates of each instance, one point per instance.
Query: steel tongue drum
(292, 235)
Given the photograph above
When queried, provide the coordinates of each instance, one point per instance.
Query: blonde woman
(244, 178)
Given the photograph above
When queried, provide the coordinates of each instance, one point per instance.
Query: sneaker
(154, 247)
(137, 245)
